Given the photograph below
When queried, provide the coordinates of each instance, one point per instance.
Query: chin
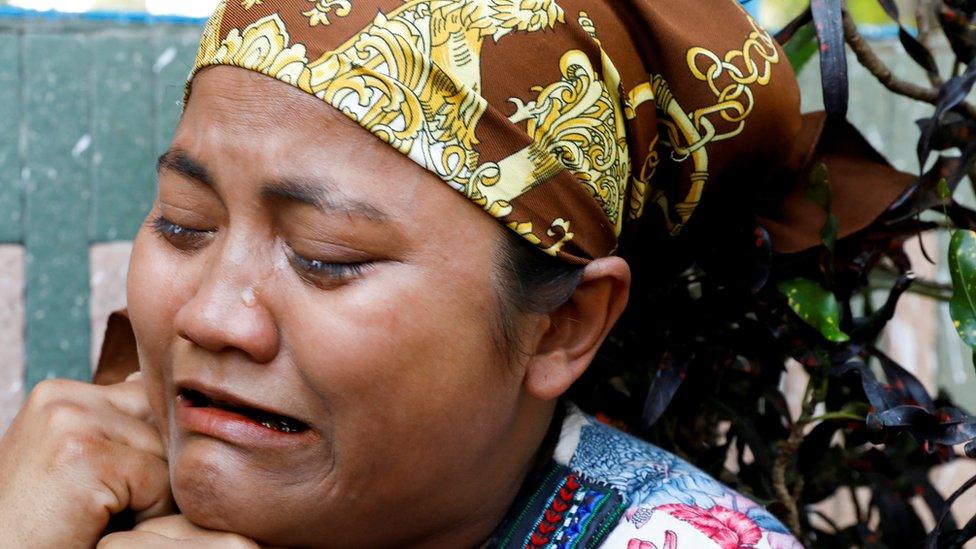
(217, 490)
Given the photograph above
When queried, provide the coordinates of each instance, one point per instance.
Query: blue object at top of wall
(119, 17)
(751, 6)
(754, 8)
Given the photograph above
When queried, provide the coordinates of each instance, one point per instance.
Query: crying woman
(383, 248)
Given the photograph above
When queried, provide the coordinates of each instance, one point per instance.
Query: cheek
(403, 353)
(398, 332)
(153, 288)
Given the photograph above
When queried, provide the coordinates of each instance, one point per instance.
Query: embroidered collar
(564, 511)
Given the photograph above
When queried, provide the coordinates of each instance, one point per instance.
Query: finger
(178, 527)
(134, 376)
(130, 431)
(65, 418)
(174, 526)
(130, 398)
(129, 540)
(84, 413)
(135, 480)
(151, 540)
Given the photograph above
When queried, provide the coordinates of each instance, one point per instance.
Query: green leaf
(818, 189)
(962, 267)
(802, 47)
(816, 306)
(856, 408)
(819, 192)
(828, 234)
(944, 192)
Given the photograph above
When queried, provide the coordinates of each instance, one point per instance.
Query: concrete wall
(86, 106)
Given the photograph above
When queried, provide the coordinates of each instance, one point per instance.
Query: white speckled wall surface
(11, 332)
(109, 265)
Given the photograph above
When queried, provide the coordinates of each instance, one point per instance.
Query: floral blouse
(607, 489)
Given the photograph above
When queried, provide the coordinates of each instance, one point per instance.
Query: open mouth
(275, 422)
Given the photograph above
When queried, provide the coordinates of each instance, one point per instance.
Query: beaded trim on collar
(565, 512)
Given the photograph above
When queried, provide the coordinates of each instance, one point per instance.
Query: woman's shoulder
(666, 500)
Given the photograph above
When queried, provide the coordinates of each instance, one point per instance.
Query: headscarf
(563, 119)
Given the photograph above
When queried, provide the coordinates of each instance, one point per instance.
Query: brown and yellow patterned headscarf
(561, 118)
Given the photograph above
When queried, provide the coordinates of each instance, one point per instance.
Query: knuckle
(63, 417)
(48, 391)
(74, 449)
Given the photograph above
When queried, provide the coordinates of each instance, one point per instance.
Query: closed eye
(319, 272)
(182, 238)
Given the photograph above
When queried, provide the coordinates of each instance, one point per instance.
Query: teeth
(280, 425)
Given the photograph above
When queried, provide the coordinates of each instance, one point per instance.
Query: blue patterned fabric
(644, 473)
(607, 489)
(668, 500)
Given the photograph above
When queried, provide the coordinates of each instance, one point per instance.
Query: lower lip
(235, 428)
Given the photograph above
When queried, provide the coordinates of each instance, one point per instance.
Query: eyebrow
(319, 194)
(178, 161)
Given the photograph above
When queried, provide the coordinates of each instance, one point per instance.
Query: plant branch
(837, 415)
(870, 60)
(885, 277)
(856, 504)
(937, 292)
(787, 450)
(922, 23)
(972, 176)
(785, 458)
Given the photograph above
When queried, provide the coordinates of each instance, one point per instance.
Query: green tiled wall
(85, 108)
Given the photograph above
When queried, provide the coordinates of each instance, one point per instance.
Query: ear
(574, 332)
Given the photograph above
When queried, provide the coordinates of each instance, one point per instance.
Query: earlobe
(577, 329)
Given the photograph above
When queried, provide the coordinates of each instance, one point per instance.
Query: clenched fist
(75, 455)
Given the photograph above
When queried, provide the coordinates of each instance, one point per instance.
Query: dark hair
(528, 282)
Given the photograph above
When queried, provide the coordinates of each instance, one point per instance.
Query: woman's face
(314, 316)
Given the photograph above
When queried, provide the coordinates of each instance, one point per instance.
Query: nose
(228, 312)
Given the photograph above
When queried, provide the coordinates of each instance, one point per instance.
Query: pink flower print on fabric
(727, 528)
(670, 542)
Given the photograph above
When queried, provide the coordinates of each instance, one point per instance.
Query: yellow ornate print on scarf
(319, 15)
(416, 76)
